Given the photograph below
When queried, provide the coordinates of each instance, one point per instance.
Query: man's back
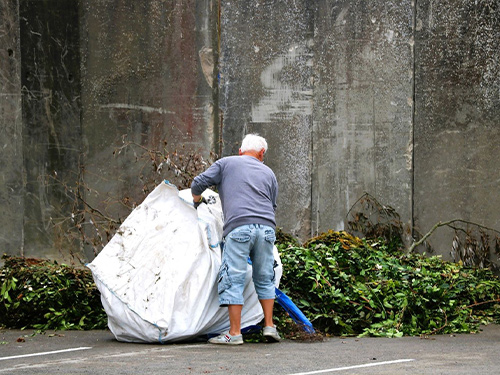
(247, 187)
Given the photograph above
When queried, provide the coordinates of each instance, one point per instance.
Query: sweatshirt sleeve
(211, 177)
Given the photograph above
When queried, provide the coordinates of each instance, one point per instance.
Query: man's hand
(198, 200)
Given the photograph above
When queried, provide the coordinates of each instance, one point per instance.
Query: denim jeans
(254, 241)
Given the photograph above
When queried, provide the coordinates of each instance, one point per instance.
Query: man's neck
(257, 155)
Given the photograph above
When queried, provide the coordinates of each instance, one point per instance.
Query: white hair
(253, 142)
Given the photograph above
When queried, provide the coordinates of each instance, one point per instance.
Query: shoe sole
(271, 338)
(225, 342)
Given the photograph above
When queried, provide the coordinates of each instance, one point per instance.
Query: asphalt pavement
(97, 352)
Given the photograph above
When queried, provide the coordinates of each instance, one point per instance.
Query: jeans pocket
(223, 279)
(270, 236)
(240, 236)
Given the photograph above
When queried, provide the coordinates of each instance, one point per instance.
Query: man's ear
(261, 154)
(239, 152)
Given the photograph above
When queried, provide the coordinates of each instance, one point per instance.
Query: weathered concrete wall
(11, 143)
(266, 87)
(399, 99)
(143, 81)
(50, 71)
(40, 121)
(363, 108)
(93, 75)
(345, 64)
(457, 126)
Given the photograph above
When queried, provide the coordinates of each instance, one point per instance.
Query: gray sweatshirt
(247, 187)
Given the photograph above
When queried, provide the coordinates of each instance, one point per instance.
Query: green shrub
(40, 294)
(348, 286)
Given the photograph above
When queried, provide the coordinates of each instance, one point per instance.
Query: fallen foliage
(349, 286)
(40, 294)
(345, 285)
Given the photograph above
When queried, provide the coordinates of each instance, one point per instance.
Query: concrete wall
(266, 69)
(399, 99)
(78, 80)
(330, 84)
(50, 79)
(363, 108)
(40, 121)
(147, 78)
(11, 142)
(457, 115)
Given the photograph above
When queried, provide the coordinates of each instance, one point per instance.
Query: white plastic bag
(157, 275)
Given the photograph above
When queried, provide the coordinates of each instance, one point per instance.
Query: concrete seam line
(45, 353)
(353, 367)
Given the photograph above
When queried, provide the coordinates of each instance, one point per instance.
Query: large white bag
(158, 274)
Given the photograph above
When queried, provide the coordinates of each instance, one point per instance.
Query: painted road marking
(46, 353)
(354, 367)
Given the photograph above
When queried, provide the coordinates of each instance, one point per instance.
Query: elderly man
(248, 190)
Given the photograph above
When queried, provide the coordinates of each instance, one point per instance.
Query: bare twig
(95, 210)
(446, 223)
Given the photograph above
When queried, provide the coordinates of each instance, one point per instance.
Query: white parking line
(353, 367)
(46, 353)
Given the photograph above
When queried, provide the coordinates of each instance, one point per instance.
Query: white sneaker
(227, 339)
(271, 334)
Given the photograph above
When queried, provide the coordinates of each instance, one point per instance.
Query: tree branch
(446, 223)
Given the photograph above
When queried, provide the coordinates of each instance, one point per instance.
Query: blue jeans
(254, 241)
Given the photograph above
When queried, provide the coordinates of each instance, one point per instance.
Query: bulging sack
(158, 274)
